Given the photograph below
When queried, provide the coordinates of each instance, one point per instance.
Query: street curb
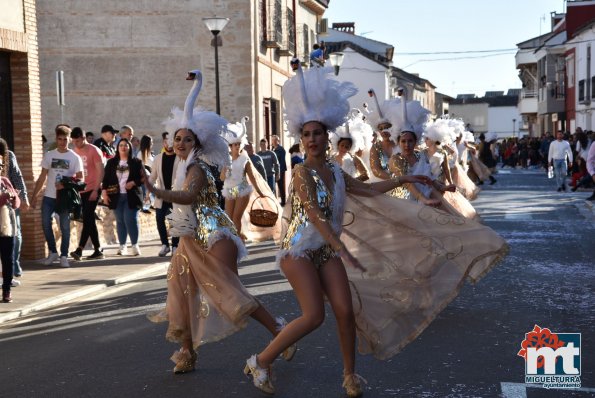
(81, 292)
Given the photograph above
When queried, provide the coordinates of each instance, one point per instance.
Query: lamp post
(513, 127)
(336, 61)
(216, 25)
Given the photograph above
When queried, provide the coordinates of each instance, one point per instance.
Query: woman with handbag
(122, 193)
(9, 202)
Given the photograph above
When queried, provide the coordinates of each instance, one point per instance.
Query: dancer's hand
(350, 260)
(431, 202)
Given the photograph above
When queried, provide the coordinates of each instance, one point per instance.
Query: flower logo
(539, 338)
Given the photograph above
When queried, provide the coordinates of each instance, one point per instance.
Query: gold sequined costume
(417, 257)
(205, 299)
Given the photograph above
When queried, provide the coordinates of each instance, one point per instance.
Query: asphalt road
(105, 347)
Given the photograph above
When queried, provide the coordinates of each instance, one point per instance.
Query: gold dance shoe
(352, 385)
(260, 377)
(184, 360)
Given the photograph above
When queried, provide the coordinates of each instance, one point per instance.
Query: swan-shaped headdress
(440, 130)
(315, 96)
(237, 132)
(355, 129)
(206, 125)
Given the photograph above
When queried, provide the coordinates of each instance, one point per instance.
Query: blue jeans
(271, 182)
(560, 171)
(18, 242)
(48, 207)
(126, 221)
(160, 215)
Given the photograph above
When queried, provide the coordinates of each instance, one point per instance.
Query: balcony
(527, 102)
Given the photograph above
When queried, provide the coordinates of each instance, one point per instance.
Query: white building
(582, 77)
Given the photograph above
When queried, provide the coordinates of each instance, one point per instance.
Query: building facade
(125, 61)
(20, 107)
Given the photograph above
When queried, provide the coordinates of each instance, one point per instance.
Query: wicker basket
(261, 217)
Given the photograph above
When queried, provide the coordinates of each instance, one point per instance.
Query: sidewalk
(43, 286)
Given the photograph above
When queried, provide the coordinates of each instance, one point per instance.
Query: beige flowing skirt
(417, 258)
(464, 183)
(205, 300)
(461, 205)
(480, 169)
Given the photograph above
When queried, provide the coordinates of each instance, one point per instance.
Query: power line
(460, 52)
(456, 58)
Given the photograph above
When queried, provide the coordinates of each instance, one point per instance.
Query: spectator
(162, 174)
(58, 163)
(317, 56)
(544, 148)
(93, 169)
(559, 152)
(296, 155)
(90, 137)
(16, 179)
(271, 164)
(9, 201)
(104, 143)
(256, 160)
(127, 132)
(145, 154)
(122, 193)
(280, 152)
(135, 142)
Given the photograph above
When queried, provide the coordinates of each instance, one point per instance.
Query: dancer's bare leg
(238, 211)
(305, 281)
(336, 286)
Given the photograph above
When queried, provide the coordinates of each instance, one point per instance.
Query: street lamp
(513, 127)
(336, 61)
(216, 25)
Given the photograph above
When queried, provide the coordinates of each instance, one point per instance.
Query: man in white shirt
(58, 163)
(559, 151)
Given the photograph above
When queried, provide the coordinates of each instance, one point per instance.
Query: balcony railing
(528, 93)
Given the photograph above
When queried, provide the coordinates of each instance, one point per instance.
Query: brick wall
(26, 106)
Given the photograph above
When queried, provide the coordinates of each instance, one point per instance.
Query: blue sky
(431, 26)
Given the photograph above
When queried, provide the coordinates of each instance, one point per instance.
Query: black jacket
(110, 180)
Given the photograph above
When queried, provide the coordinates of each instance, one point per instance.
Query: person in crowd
(127, 132)
(57, 164)
(13, 172)
(316, 56)
(145, 154)
(256, 160)
(591, 168)
(162, 173)
(206, 301)
(90, 137)
(544, 148)
(9, 202)
(93, 167)
(559, 153)
(280, 152)
(104, 143)
(122, 193)
(296, 155)
(135, 142)
(271, 164)
(322, 262)
(486, 156)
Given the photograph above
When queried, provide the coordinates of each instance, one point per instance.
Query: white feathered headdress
(206, 125)
(440, 131)
(355, 129)
(491, 136)
(237, 132)
(315, 95)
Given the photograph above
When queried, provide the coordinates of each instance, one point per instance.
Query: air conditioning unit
(323, 26)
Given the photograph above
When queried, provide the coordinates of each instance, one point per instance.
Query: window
(581, 90)
(306, 43)
(290, 30)
(570, 71)
(592, 86)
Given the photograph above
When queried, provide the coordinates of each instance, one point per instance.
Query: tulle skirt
(205, 300)
(480, 169)
(417, 258)
(464, 183)
(461, 205)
